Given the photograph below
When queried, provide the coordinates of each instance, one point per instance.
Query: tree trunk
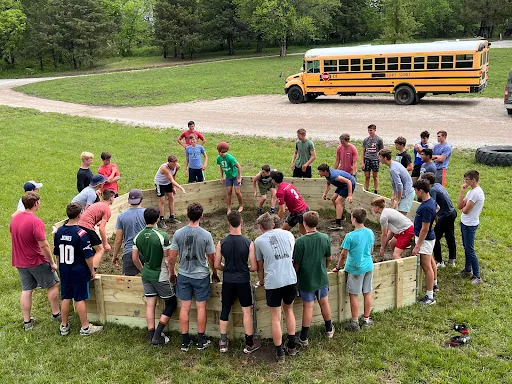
(175, 50)
(165, 51)
(259, 43)
(54, 57)
(282, 50)
(231, 50)
(41, 67)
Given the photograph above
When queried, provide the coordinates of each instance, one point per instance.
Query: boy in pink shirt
(186, 135)
(346, 156)
(110, 171)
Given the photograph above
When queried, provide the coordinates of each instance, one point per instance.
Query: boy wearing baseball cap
(89, 195)
(29, 186)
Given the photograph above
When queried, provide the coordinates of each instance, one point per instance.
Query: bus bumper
(478, 89)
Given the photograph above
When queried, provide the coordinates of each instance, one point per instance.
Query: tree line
(78, 32)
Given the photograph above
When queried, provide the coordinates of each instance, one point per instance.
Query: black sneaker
(290, 351)
(436, 288)
(159, 340)
(173, 220)
(186, 346)
(260, 211)
(161, 224)
(205, 344)
(427, 301)
(251, 348)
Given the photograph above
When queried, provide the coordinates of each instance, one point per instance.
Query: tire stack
(498, 155)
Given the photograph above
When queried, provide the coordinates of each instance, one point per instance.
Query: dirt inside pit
(217, 225)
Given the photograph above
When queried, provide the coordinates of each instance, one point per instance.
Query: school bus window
(392, 63)
(464, 61)
(330, 65)
(343, 65)
(367, 64)
(405, 63)
(447, 62)
(433, 62)
(419, 62)
(380, 63)
(355, 65)
(314, 66)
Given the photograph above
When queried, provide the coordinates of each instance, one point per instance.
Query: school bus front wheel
(295, 95)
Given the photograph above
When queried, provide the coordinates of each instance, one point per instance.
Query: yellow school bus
(409, 71)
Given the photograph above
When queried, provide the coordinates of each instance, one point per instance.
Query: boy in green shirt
(311, 258)
(303, 156)
(230, 175)
(158, 276)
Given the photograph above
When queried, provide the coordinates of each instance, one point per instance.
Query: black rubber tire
(405, 95)
(497, 155)
(509, 111)
(295, 95)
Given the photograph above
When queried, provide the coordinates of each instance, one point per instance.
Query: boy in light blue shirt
(194, 165)
(357, 248)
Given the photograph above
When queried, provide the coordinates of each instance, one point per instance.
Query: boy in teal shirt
(311, 257)
(358, 246)
(230, 175)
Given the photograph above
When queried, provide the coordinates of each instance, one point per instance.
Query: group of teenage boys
(279, 259)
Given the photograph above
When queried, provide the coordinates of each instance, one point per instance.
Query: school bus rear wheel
(295, 95)
(405, 95)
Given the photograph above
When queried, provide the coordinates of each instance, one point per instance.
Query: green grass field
(207, 81)
(405, 346)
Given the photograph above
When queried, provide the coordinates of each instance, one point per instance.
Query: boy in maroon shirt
(186, 135)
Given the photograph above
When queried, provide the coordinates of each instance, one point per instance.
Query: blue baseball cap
(31, 186)
(97, 180)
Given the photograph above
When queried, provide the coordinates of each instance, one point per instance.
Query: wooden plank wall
(120, 299)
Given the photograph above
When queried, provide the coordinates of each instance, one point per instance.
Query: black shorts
(281, 295)
(77, 290)
(416, 170)
(231, 291)
(297, 172)
(371, 165)
(195, 175)
(161, 190)
(295, 218)
(93, 236)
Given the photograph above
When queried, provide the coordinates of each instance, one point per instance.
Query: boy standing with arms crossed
(194, 167)
(471, 206)
(265, 185)
(110, 171)
(75, 257)
(238, 251)
(230, 175)
(371, 147)
(357, 248)
(311, 258)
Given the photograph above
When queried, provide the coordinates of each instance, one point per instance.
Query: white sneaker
(440, 265)
(64, 329)
(90, 330)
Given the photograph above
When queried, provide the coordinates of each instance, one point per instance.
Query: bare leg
(273, 200)
(426, 265)
(307, 313)
(238, 194)
(170, 198)
(277, 333)
(397, 253)
(338, 204)
(325, 308)
(367, 304)
(65, 308)
(201, 316)
(248, 324)
(354, 306)
(366, 180)
(223, 327)
(150, 312)
(184, 315)
(375, 180)
(161, 205)
(81, 309)
(53, 298)
(229, 193)
(290, 319)
(26, 304)
(99, 251)
(286, 227)
(434, 268)
(262, 200)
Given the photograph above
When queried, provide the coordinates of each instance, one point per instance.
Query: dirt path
(470, 123)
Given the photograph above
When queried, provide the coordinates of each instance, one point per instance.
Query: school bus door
(313, 77)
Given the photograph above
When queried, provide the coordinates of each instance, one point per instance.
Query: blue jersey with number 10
(72, 247)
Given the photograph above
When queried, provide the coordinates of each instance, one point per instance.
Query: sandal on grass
(457, 341)
(461, 328)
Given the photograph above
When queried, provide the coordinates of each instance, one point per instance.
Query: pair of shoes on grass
(305, 343)
(457, 341)
(248, 349)
(353, 325)
(199, 346)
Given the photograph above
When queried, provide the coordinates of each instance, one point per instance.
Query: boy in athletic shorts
(287, 195)
(230, 175)
(357, 248)
(75, 257)
(98, 213)
(425, 238)
(418, 148)
(402, 156)
(194, 166)
(237, 251)
(371, 147)
(274, 252)
(311, 258)
(165, 181)
(265, 185)
(157, 274)
(345, 184)
(303, 156)
(397, 230)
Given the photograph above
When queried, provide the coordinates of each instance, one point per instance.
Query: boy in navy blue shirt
(425, 238)
(75, 257)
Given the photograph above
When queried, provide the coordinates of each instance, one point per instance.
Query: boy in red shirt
(110, 172)
(346, 156)
(98, 213)
(287, 194)
(186, 135)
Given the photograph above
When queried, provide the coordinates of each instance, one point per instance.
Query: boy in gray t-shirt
(196, 249)
(274, 251)
(370, 159)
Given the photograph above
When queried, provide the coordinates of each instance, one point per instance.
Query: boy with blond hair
(84, 174)
(311, 258)
(357, 248)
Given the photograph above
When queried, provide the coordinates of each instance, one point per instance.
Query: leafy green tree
(437, 18)
(12, 26)
(356, 20)
(398, 20)
(489, 15)
(223, 22)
